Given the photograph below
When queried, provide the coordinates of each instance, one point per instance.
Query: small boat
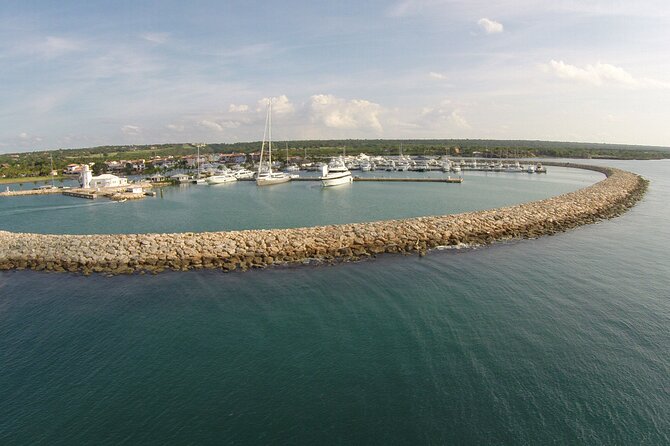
(329, 178)
(539, 168)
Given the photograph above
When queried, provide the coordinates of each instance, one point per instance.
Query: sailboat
(265, 176)
(199, 179)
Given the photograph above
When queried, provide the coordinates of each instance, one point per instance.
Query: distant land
(38, 163)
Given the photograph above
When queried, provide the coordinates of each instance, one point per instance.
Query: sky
(89, 73)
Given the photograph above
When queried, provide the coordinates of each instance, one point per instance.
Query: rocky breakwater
(241, 250)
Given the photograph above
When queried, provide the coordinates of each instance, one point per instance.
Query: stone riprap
(241, 250)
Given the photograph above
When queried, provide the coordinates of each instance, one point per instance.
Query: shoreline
(242, 250)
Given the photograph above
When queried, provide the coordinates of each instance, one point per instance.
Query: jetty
(390, 180)
(114, 193)
(413, 180)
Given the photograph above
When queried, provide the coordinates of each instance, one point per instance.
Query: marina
(377, 338)
(241, 250)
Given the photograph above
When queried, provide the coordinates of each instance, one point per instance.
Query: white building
(108, 180)
(88, 181)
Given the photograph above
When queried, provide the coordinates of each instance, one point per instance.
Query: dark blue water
(560, 340)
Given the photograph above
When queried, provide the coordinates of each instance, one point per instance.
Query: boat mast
(51, 158)
(270, 137)
(198, 161)
(265, 129)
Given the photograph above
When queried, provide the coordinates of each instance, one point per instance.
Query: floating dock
(87, 195)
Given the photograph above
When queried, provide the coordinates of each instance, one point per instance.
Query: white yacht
(221, 178)
(265, 175)
(335, 178)
(243, 174)
(337, 165)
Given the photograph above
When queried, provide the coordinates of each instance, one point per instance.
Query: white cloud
(443, 116)
(55, 46)
(157, 38)
(211, 125)
(175, 127)
(131, 130)
(458, 120)
(49, 47)
(600, 74)
(342, 114)
(438, 76)
(238, 108)
(219, 126)
(490, 26)
(280, 105)
(24, 135)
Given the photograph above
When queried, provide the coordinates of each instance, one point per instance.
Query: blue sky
(86, 73)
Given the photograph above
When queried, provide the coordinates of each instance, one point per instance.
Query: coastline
(241, 250)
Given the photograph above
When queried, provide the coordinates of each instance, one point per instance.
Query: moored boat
(265, 175)
(222, 178)
(329, 178)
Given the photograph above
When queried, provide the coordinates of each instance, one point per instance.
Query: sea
(563, 339)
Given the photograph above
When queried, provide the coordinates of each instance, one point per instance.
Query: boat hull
(336, 180)
(221, 179)
(269, 181)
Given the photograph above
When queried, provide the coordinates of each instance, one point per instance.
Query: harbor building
(88, 181)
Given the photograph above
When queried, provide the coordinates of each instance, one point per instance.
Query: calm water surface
(243, 205)
(560, 340)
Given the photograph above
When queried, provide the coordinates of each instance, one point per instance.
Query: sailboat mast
(265, 130)
(51, 158)
(270, 137)
(198, 161)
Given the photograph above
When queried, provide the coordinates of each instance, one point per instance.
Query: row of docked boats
(338, 170)
(405, 163)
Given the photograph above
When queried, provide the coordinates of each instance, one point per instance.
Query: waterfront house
(107, 180)
(180, 178)
(73, 169)
(233, 158)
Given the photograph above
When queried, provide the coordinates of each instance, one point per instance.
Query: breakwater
(241, 250)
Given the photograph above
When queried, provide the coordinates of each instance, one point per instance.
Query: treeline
(39, 163)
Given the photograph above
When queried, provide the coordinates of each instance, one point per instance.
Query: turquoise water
(559, 340)
(243, 205)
